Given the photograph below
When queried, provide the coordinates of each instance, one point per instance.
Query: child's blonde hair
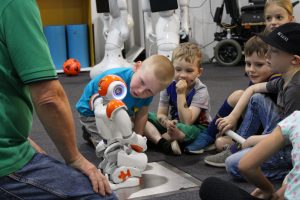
(162, 68)
(188, 52)
(255, 45)
(285, 4)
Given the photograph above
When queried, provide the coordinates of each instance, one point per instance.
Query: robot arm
(148, 20)
(106, 24)
(117, 26)
(184, 18)
(167, 27)
(121, 20)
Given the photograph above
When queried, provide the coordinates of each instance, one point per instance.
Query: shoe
(200, 144)
(176, 148)
(218, 160)
(87, 137)
(169, 148)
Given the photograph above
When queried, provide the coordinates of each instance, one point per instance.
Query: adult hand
(181, 87)
(99, 181)
(226, 123)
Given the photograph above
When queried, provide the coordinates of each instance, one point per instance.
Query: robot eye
(118, 91)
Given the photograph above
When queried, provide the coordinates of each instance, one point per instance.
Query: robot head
(112, 87)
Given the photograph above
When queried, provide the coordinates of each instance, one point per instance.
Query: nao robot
(169, 27)
(117, 25)
(121, 148)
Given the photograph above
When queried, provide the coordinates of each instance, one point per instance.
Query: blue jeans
(46, 178)
(275, 168)
(261, 111)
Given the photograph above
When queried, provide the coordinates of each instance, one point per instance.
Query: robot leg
(129, 165)
(136, 142)
(121, 162)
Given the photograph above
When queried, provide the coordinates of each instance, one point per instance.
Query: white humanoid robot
(169, 28)
(117, 25)
(121, 148)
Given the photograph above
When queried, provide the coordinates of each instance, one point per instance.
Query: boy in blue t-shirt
(143, 81)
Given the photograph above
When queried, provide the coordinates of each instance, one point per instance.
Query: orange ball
(71, 67)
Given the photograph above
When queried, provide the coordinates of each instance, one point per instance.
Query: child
(277, 12)
(257, 70)
(143, 81)
(188, 100)
(284, 57)
(287, 131)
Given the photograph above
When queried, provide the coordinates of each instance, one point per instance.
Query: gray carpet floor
(221, 81)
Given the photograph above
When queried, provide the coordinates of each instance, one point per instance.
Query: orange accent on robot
(112, 106)
(123, 175)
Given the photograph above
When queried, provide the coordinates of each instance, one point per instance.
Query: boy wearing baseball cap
(283, 57)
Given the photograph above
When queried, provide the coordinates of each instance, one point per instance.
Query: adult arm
(53, 109)
(36, 146)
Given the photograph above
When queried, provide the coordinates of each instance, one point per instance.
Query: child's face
(144, 84)
(186, 71)
(278, 60)
(257, 68)
(276, 16)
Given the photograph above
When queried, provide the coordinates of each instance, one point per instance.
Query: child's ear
(296, 60)
(200, 71)
(137, 65)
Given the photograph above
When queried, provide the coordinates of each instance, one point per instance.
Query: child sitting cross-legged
(283, 57)
(185, 100)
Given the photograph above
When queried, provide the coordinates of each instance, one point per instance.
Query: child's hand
(181, 87)
(258, 193)
(248, 143)
(226, 123)
(252, 141)
(165, 122)
(171, 123)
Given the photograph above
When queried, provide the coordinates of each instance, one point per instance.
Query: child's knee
(234, 97)
(222, 142)
(231, 164)
(257, 97)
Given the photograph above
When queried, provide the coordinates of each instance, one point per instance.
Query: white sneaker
(176, 148)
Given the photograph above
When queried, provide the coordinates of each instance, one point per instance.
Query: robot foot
(131, 182)
(123, 173)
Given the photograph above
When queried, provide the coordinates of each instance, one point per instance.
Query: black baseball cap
(285, 38)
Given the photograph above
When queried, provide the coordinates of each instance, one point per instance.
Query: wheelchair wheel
(228, 52)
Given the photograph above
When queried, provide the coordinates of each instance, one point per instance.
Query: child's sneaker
(176, 148)
(200, 144)
(170, 148)
(87, 136)
(218, 160)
